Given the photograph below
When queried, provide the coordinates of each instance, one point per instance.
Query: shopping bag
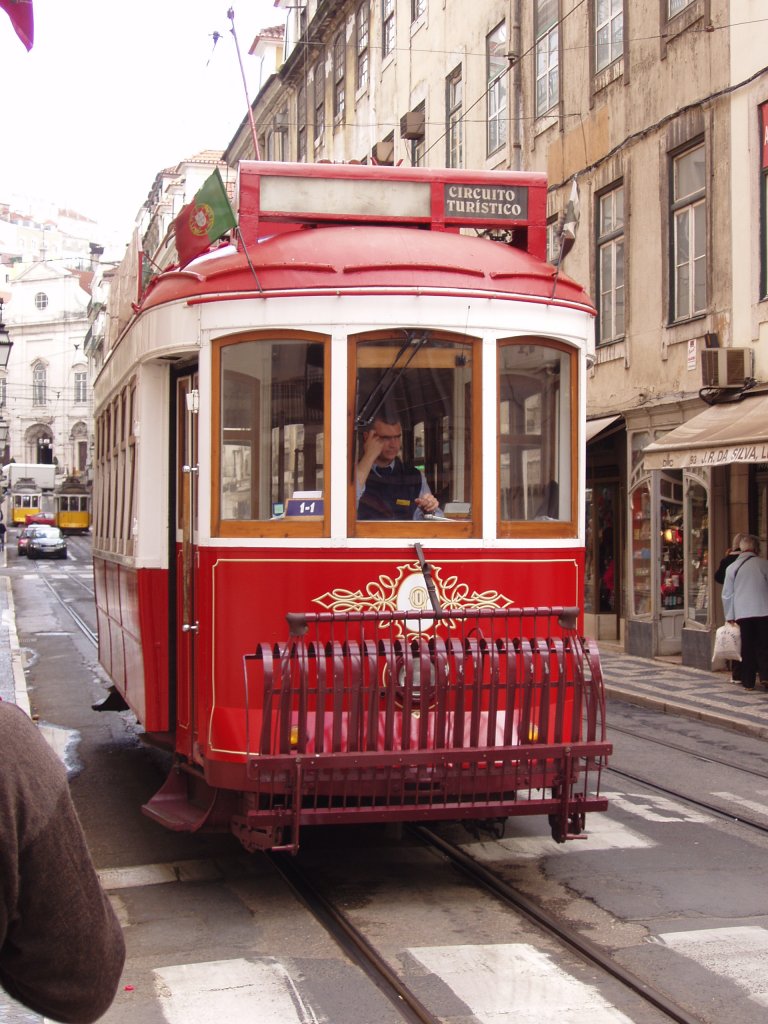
(727, 645)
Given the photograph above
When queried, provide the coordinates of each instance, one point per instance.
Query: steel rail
(80, 622)
(700, 804)
(686, 750)
(584, 947)
(353, 942)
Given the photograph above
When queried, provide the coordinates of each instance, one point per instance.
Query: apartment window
(496, 62)
(609, 32)
(454, 127)
(319, 101)
(276, 139)
(301, 124)
(39, 384)
(689, 234)
(81, 386)
(547, 56)
(387, 27)
(418, 144)
(362, 22)
(339, 62)
(553, 242)
(763, 124)
(610, 264)
(675, 6)
(41, 300)
(418, 8)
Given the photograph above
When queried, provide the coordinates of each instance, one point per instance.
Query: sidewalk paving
(664, 684)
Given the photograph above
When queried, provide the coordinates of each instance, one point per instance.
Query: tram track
(679, 748)
(701, 805)
(361, 951)
(549, 925)
(90, 634)
(353, 942)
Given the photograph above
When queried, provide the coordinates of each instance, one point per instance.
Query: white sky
(113, 91)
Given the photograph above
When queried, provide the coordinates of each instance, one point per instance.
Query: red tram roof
(366, 259)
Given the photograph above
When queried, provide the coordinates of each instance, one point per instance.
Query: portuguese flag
(204, 220)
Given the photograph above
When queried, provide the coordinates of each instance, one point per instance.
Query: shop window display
(672, 563)
(697, 566)
(641, 549)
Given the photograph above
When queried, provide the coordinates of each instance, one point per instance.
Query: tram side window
(272, 428)
(536, 408)
(412, 443)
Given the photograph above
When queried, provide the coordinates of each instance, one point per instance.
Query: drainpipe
(515, 41)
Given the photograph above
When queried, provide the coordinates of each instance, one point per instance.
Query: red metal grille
(424, 715)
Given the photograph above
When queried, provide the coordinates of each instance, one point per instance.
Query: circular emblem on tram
(412, 595)
(201, 219)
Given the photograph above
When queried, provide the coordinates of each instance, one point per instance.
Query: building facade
(650, 117)
(45, 393)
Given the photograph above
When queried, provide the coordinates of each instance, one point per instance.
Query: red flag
(20, 13)
(204, 220)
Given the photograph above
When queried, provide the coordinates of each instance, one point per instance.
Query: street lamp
(5, 341)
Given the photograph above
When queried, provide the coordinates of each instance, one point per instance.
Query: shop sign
(467, 201)
(721, 455)
(691, 353)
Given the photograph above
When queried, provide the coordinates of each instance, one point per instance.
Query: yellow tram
(72, 503)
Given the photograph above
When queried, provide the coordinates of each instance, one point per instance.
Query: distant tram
(25, 500)
(311, 644)
(72, 504)
(29, 491)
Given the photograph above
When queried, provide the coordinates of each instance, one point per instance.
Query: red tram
(315, 643)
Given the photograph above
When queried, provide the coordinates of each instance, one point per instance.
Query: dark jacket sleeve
(720, 571)
(61, 945)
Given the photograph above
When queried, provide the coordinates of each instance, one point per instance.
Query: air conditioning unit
(384, 152)
(725, 367)
(412, 125)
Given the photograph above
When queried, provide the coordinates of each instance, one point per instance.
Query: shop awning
(595, 427)
(732, 432)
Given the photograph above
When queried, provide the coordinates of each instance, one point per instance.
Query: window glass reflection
(534, 432)
(272, 444)
(413, 451)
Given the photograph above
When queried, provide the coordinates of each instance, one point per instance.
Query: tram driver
(387, 487)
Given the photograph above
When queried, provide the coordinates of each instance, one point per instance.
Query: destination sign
(481, 201)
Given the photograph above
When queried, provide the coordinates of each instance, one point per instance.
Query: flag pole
(231, 16)
(239, 234)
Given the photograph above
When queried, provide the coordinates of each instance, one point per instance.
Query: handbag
(727, 645)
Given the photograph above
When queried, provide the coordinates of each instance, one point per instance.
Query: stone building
(657, 110)
(45, 394)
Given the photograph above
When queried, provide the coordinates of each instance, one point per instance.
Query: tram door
(185, 561)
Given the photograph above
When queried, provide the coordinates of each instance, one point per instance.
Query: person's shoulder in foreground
(61, 945)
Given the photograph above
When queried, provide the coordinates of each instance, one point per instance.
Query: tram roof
(359, 259)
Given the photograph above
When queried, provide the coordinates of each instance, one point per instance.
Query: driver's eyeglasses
(389, 437)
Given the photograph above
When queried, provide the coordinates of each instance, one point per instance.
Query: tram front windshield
(416, 420)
